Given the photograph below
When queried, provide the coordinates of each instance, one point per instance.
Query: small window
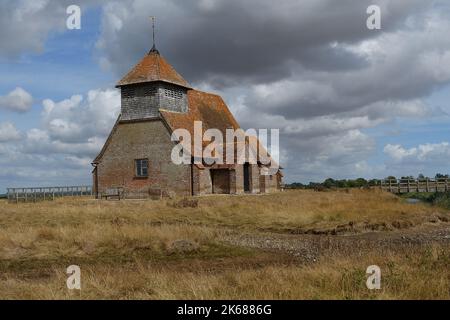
(173, 93)
(141, 168)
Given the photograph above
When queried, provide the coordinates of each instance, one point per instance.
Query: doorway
(220, 181)
(246, 177)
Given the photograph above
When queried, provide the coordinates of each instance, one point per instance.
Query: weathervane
(153, 28)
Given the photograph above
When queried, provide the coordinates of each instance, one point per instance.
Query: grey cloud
(26, 24)
(341, 155)
(402, 70)
(309, 50)
(253, 41)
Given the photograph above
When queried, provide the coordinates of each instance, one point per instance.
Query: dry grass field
(291, 245)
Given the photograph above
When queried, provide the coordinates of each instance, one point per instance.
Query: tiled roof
(153, 67)
(206, 107)
(214, 114)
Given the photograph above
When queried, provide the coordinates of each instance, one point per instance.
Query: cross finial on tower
(154, 42)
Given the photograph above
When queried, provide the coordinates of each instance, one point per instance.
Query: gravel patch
(310, 248)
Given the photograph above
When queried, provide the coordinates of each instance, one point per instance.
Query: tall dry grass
(125, 249)
(281, 211)
(411, 274)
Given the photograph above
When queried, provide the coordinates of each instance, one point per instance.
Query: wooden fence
(420, 185)
(46, 193)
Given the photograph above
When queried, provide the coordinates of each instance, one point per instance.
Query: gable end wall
(142, 140)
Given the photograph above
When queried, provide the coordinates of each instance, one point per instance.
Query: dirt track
(310, 248)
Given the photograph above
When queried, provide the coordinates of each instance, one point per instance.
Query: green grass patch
(440, 199)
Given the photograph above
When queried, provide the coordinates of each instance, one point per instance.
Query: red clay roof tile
(206, 107)
(153, 67)
(214, 114)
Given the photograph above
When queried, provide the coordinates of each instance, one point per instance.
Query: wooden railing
(419, 185)
(46, 193)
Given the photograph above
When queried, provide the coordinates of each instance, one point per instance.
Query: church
(136, 157)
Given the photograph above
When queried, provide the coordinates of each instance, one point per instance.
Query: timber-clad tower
(151, 85)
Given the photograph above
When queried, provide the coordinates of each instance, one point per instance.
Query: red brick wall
(139, 140)
(202, 181)
(270, 182)
(238, 179)
(254, 178)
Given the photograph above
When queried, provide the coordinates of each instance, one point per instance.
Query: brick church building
(155, 101)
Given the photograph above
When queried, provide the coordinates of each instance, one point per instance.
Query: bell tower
(153, 84)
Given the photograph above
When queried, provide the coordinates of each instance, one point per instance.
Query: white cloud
(430, 152)
(76, 119)
(17, 100)
(8, 132)
(428, 158)
(59, 152)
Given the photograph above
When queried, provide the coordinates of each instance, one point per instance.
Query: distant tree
(350, 184)
(341, 183)
(295, 185)
(392, 178)
(361, 182)
(313, 185)
(329, 183)
(441, 176)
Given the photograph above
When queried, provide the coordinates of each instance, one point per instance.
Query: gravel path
(309, 248)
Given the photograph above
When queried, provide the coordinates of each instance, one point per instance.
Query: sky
(349, 101)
